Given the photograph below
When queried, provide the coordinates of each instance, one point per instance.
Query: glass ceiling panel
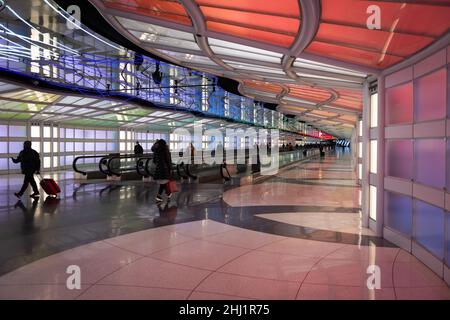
(7, 87)
(251, 67)
(151, 39)
(323, 113)
(69, 100)
(155, 30)
(84, 101)
(14, 105)
(188, 58)
(313, 76)
(33, 96)
(160, 9)
(308, 64)
(238, 50)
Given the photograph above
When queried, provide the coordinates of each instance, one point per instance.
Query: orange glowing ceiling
(405, 28)
(160, 9)
(309, 93)
(263, 86)
(266, 21)
(301, 54)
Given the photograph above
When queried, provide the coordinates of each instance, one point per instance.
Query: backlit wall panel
(429, 227)
(430, 96)
(398, 212)
(417, 158)
(399, 104)
(399, 158)
(59, 146)
(430, 162)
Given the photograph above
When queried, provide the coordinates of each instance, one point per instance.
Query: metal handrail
(104, 162)
(142, 163)
(119, 157)
(74, 163)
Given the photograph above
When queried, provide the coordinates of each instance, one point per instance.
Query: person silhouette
(30, 163)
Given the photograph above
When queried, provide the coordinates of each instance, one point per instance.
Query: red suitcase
(171, 187)
(50, 186)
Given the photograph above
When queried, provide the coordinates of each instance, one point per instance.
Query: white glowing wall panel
(373, 156)
(373, 202)
(374, 110)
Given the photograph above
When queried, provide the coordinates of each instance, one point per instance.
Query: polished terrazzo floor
(276, 239)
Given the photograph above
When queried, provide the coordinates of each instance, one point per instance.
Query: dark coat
(163, 161)
(138, 149)
(30, 162)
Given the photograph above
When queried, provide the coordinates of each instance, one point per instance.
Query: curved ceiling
(310, 57)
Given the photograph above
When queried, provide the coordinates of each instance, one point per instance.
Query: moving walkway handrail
(84, 173)
(142, 163)
(112, 170)
(104, 162)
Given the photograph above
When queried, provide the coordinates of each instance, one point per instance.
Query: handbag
(171, 187)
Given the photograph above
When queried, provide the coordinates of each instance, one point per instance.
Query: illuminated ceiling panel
(230, 49)
(255, 68)
(186, 57)
(313, 65)
(308, 93)
(160, 9)
(153, 35)
(254, 19)
(406, 28)
(349, 98)
(263, 86)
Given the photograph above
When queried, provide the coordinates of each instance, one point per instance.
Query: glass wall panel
(399, 104)
(79, 134)
(89, 134)
(4, 164)
(373, 156)
(430, 96)
(47, 147)
(3, 130)
(447, 259)
(398, 212)
(430, 162)
(373, 202)
(35, 131)
(15, 147)
(70, 133)
(47, 132)
(4, 147)
(17, 131)
(399, 158)
(374, 110)
(429, 227)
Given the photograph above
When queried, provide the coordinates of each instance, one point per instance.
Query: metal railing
(77, 159)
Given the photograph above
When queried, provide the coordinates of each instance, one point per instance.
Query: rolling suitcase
(50, 186)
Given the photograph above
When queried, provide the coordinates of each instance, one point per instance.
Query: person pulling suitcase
(30, 163)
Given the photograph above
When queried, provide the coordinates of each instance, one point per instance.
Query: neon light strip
(20, 37)
(31, 26)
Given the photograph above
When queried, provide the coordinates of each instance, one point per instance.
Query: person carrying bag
(163, 170)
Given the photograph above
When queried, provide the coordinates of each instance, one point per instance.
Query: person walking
(163, 167)
(138, 150)
(30, 163)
